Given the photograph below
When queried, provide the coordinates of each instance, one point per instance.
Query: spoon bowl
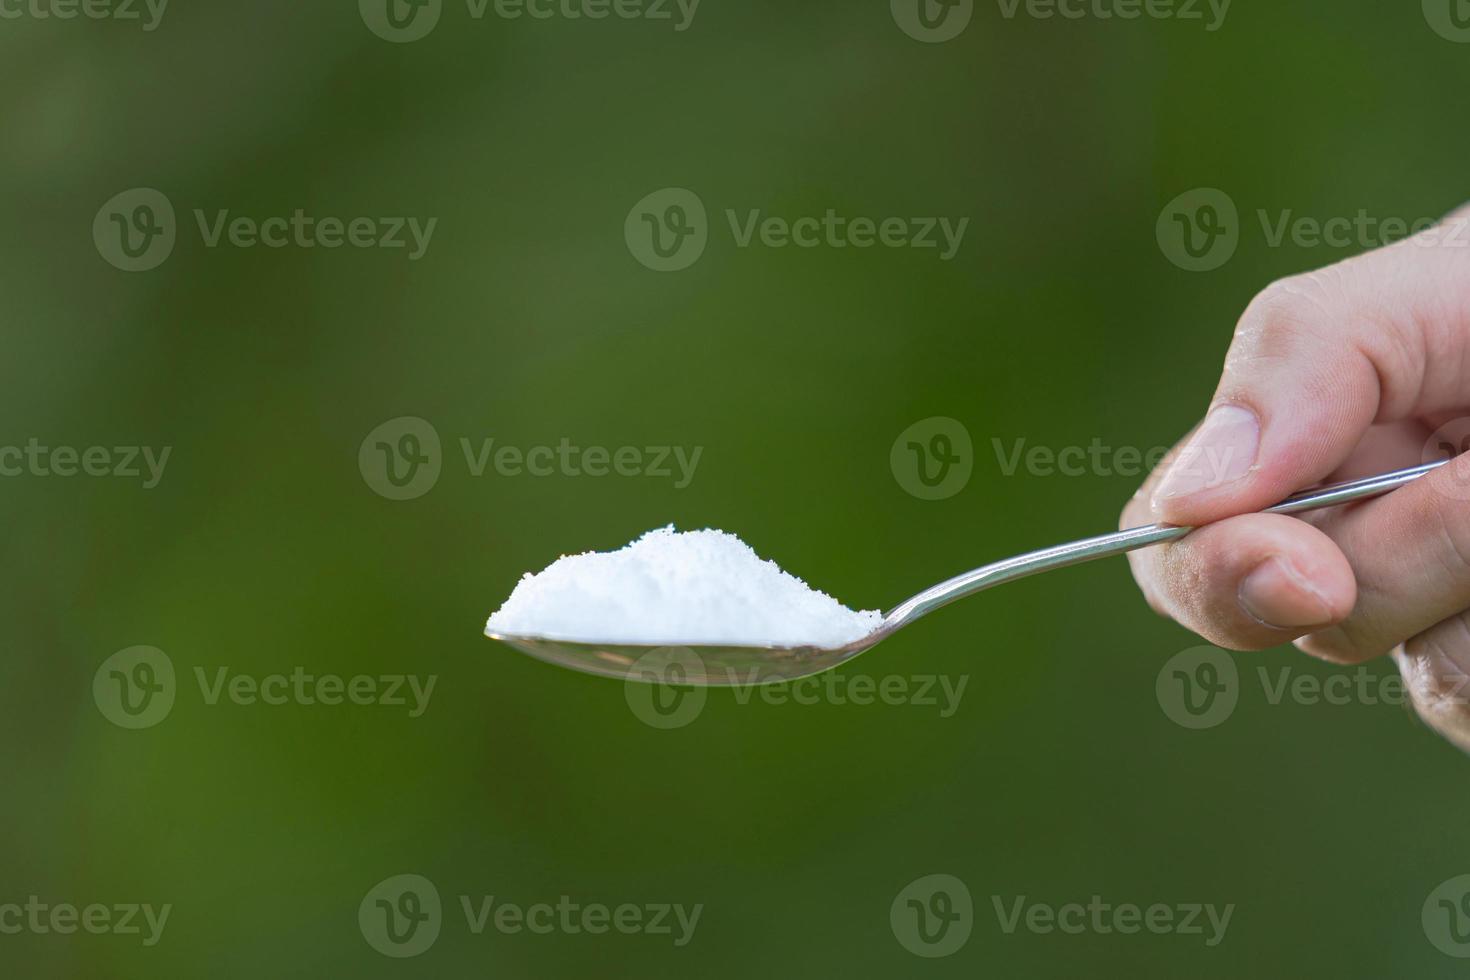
(719, 665)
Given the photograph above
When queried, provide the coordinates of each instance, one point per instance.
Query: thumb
(1316, 360)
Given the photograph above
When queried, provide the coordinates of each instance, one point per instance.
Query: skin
(1352, 370)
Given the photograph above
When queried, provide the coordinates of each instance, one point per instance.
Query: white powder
(695, 587)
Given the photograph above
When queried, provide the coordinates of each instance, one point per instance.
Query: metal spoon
(722, 666)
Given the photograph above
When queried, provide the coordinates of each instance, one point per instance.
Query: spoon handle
(1121, 542)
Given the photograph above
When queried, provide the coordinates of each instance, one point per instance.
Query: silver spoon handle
(1132, 539)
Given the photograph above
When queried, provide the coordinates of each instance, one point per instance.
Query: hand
(1356, 369)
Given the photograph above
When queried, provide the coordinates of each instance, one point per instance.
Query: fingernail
(1275, 594)
(1222, 451)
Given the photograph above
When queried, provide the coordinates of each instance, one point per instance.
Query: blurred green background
(1061, 320)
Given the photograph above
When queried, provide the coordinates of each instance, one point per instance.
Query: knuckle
(1291, 306)
(1309, 314)
(1288, 318)
(1438, 685)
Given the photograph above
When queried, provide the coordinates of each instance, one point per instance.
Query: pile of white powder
(695, 587)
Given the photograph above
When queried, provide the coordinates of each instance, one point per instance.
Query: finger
(1435, 666)
(1410, 554)
(1249, 582)
(1382, 449)
(1319, 358)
